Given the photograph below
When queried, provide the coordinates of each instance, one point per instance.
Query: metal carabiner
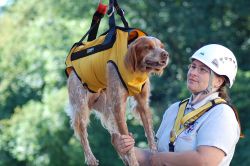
(110, 13)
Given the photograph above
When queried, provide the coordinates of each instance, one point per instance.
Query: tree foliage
(36, 37)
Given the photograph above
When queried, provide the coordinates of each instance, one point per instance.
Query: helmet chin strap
(200, 95)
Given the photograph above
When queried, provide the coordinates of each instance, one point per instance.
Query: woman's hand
(122, 143)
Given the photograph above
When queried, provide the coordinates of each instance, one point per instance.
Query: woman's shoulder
(223, 109)
(173, 108)
(222, 115)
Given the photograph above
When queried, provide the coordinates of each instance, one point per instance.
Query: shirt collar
(202, 102)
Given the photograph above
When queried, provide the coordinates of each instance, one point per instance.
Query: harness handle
(99, 14)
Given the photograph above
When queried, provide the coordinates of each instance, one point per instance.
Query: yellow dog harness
(91, 68)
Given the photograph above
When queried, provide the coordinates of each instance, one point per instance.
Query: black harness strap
(99, 14)
(121, 13)
(95, 25)
(96, 19)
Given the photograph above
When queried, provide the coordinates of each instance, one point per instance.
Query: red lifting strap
(102, 9)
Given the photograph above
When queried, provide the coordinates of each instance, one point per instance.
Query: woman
(208, 137)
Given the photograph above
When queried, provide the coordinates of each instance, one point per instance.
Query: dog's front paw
(153, 149)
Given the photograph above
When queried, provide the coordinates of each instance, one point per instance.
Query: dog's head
(147, 54)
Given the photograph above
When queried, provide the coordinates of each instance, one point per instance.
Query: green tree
(36, 37)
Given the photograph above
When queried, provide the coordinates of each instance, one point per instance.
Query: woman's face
(197, 77)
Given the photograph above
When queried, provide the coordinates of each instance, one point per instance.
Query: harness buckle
(171, 146)
(186, 125)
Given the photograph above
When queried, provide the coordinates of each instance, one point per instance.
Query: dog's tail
(69, 111)
(72, 115)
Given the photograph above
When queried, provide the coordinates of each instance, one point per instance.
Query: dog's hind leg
(145, 114)
(116, 102)
(79, 114)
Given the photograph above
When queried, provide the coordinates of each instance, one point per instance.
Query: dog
(145, 56)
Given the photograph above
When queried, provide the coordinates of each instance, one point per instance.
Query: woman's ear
(219, 81)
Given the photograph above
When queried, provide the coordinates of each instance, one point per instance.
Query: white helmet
(219, 59)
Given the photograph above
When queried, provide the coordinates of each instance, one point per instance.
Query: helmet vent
(202, 53)
(215, 63)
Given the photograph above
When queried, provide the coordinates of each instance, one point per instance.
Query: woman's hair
(223, 93)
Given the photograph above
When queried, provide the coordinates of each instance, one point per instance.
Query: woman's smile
(192, 80)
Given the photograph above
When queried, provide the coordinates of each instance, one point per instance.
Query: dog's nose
(164, 55)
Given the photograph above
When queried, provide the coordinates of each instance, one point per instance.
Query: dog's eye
(162, 46)
(147, 47)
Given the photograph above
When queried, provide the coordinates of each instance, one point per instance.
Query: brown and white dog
(146, 55)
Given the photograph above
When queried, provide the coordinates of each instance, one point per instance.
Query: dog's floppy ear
(131, 57)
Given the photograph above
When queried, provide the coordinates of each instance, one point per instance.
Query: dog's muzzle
(164, 58)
